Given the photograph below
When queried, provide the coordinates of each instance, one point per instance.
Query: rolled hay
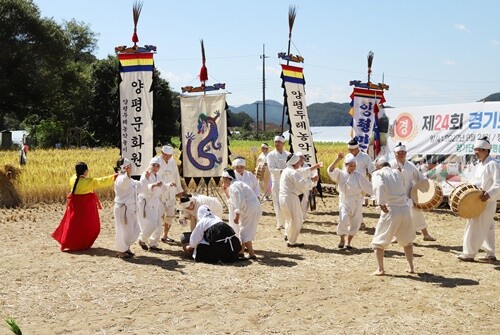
(9, 196)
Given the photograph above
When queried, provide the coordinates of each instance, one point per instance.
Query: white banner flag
(440, 139)
(204, 135)
(363, 114)
(448, 129)
(136, 109)
(300, 131)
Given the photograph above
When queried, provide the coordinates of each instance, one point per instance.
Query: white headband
(225, 174)
(126, 163)
(155, 160)
(300, 154)
(482, 144)
(293, 160)
(279, 138)
(204, 212)
(167, 149)
(381, 160)
(399, 148)
(353, 146)
(349, 159)
(263, 145)
(239, 162)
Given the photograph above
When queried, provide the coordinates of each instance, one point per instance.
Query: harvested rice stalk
(9, 196)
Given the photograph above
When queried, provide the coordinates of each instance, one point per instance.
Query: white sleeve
(123, 181)
(197, 233)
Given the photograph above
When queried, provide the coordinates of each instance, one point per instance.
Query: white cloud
(461, 27)
(449, 62)
(495, 43)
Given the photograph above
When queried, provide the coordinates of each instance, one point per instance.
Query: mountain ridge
(326, 114)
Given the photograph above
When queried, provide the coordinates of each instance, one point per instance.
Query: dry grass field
(44, 179)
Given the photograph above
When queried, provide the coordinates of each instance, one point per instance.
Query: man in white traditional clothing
(480, 231)
(169, 173)
(276, 161)
(395, 217)
(247, 209)
(192, 203)
(292, 185)
(150, 204)
(239, 166)
(411, 175)
(212, 241)
(352, 186)
(262, 172)
(127, 228)
(364, 164)
(306, 173)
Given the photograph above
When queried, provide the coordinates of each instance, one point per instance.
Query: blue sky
(430, 52)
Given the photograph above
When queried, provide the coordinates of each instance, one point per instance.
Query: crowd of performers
(144, 210)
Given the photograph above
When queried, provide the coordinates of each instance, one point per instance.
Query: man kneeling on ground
(211, 241)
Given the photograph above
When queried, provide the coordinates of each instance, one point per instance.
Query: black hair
(80, 169)
(185, 198)
(119, 163)
(289, 157)
(353, 141)
(230, 172)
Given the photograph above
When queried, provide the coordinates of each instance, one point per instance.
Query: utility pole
(263, 56)
(257, 116)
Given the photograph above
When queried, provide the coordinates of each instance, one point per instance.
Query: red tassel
(203, 74)
(135, 38)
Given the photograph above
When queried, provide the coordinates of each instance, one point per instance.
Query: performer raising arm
(127, 228)
(81, 225)
(151, 207)
(292, 185)
(351, 184)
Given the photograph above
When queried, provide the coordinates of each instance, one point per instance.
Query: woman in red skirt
(80, 224)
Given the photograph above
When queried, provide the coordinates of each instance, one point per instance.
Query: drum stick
(447, 182)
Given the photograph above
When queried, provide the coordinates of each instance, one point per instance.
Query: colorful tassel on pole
(136, 12)
(203, 71)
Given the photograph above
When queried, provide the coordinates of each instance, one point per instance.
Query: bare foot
(378, 273)
(410, 270)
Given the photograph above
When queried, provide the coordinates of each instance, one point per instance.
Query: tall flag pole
(204, 134)
(136, 66)
(292, 14)
(365, 101)
(203, 70)
(295, 103)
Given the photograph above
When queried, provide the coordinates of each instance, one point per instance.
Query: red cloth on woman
(80, 224)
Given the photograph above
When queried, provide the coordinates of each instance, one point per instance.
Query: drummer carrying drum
(480, 231)
(411, 175)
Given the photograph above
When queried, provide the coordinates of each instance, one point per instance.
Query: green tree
(166, 111)
(33, 50)
(82, 41)
(102, 117)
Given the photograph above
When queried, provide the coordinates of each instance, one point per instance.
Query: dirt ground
(318, 289)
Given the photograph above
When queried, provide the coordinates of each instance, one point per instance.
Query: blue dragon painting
(204, 149)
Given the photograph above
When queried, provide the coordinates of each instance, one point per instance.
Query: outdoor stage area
(317, 289)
